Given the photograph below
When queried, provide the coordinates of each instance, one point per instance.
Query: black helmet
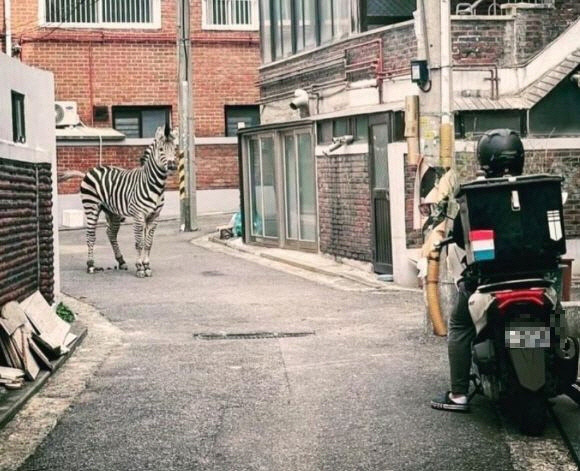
(500, 152)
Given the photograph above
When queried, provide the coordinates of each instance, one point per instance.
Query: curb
(377, 285)
(12, 402)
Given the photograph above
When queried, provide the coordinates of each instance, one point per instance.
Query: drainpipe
(8, 27)
(446, 131)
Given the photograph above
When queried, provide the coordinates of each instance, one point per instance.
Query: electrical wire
(79, 4)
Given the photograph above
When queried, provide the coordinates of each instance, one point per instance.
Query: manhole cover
(248, 335)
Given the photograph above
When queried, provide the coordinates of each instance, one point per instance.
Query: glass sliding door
(263, 200)
(300, 191)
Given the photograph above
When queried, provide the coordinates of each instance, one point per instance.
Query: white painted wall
(37, 86)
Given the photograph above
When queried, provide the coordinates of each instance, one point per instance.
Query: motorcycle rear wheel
(532, 412)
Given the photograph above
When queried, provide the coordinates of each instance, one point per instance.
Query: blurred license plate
(527, 337)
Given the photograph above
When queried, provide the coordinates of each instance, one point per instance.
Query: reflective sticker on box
(482, 245)
(554, 224)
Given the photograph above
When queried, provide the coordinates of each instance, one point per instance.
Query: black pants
(459, 339)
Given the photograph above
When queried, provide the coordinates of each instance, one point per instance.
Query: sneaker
(444, 402)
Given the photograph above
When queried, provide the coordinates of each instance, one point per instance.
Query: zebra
(138, 192)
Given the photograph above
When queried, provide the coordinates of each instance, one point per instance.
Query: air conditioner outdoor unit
(66, 113)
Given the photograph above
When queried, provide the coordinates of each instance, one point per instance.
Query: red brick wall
(481, 41)
(510, 42)
(344, 206)
(217, 166)
(83, 158)
(139, 67)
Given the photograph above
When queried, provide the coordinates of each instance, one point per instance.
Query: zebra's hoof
(140, 274)
(148, 272)
(122, 266)
(91, 270)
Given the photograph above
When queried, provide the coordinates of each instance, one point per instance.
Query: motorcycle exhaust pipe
(432, 289)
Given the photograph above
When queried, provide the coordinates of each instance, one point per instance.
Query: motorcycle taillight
(506, 299)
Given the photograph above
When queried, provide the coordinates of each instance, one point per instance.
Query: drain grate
(249, 335)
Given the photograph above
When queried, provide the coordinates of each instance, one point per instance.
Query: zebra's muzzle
(171, 166)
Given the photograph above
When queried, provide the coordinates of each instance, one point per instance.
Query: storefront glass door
(299, 181)
(264, 206)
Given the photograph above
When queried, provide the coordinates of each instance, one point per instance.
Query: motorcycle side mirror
(564, 197)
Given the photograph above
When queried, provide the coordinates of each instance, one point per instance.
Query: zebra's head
(166, 143)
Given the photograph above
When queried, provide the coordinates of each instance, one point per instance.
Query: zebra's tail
(67, 175)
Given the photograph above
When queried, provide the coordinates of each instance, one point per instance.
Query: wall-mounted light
(420, 74)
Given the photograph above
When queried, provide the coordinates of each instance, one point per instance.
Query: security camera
(348, 139)
(338, 142)
(300, 99)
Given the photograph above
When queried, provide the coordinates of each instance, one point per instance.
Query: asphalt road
(347, 389)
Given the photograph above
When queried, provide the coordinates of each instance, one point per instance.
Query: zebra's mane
(148, 152)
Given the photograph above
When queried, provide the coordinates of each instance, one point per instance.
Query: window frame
(238, 107)
(139, 109)
(351, 123)
(18, 105)
(356, 22)
(254, 25)
(155, 22)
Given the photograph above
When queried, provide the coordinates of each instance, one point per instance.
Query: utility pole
(187, 171)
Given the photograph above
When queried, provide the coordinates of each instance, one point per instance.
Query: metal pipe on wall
(8, 27)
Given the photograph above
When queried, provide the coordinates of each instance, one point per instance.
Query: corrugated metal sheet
(529, 96)
(391, 7)
(539, 89)
(26, 237)
(478, 103)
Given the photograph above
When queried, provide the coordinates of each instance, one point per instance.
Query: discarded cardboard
(16, 327)
(10, 374)
(40, 356)
(50, 330)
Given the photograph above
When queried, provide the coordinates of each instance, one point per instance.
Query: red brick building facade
(107, 67)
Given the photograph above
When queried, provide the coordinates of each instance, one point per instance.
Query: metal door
(380, 200)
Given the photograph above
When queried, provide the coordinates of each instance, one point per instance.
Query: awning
(86, 133)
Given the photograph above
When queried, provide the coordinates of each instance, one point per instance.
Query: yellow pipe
(433, 303)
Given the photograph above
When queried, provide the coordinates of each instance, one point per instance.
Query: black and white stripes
(136, 193)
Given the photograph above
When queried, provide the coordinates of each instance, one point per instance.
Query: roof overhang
(85, 133)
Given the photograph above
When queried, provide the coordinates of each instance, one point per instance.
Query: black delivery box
(513, 224)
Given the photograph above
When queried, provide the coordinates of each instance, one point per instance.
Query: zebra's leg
(139, 231)
(92, 212)
(113, 225)
(149, 232)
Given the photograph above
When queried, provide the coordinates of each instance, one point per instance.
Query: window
(291, 26)
(477, 122)
(18, 129)
(356, 126)
(244, 115)
(140, 121)
(305, 24)
(229, 14)
(109, 13)
(377, 13)
(558, 113)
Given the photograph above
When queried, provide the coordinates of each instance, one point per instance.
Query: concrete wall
(38, 88)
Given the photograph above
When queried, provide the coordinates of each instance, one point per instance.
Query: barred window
(108, 13)
(230, 14)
